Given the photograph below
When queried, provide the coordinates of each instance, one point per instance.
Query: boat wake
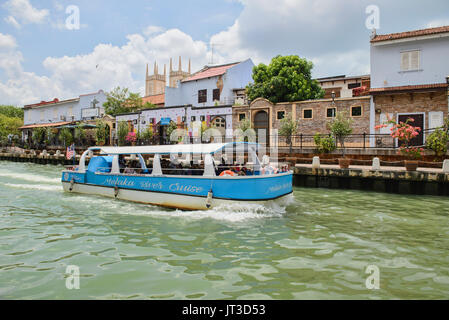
(235, 212)
(29, 177)
(41, 187)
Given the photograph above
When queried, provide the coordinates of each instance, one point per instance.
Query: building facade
(211, 86)
(409, 78)
(185, 117)
(58, 113)
(345, 87)
(312, 116)
(156, 83)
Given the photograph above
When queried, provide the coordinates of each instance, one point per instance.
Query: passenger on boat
(121, 162)
(129, 168)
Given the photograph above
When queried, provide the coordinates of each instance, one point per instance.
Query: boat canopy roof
(207, 148)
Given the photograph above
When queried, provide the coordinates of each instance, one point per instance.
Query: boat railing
(247, 169)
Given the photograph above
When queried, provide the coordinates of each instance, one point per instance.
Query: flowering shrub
(131, 137)
(414, 153)
(404, 132)
(437, 141)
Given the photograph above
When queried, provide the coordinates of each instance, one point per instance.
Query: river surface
(317, 247)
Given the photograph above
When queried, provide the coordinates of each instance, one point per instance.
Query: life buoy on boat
(227, 173)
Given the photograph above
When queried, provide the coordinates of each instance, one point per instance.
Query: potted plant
(437, 141)
(405, 132)
(341, 128)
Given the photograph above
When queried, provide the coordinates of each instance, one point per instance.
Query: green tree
(147, 135)
(9, 125)
(49, 136)
(80, 134)
(244, 125)
(171, 127)
(11, 119)
(11, 111)
(341, 127)
(122, 131)
(100, 133)
(437, 141)
(38, 136)
(285, 79)
(66, 137)
(288, 128)
(121, 100)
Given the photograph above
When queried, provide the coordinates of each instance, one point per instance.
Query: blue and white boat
(186, 188)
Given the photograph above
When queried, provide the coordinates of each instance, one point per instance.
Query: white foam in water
(29, 177)
(235, 212)
(35, 186)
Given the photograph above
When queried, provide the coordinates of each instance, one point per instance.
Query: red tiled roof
(208, 72)
(45, 125)
(410, 88)
(158, 99)
(44, 103)
(409, 34)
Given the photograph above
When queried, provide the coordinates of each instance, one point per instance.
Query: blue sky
(40, 59)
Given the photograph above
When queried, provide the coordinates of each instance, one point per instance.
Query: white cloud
(7, 42)
(312, 29)
(105, 67)
(12, 21)
(23, 11)
(151, 30)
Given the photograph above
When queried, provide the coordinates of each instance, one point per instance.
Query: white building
(56, 113)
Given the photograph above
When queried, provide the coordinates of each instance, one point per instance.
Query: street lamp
(333, 97)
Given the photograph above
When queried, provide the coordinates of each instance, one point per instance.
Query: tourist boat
(178, 188)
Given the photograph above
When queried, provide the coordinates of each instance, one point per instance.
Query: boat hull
(169, 200)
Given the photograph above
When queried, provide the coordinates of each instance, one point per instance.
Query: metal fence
(300, 141)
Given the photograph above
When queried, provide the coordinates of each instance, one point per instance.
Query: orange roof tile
(45, 125)
(157, 99)
(208, 72)
(410, 88)
(409, 34)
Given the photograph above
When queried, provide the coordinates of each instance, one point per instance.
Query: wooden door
(419, 122)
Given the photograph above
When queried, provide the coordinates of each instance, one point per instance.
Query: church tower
(155, 84)
(176, 76)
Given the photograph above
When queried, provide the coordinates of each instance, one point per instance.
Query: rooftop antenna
(212, 46)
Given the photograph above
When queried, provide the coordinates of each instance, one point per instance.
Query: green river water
(318, 247)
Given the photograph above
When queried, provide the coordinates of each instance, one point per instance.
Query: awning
(175, 148)
(84, 126)
(45, 125)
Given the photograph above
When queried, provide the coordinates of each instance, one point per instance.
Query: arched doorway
(261, 122)
(219, 123)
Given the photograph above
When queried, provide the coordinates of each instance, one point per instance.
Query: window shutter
(405, 61)
(414, 65)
